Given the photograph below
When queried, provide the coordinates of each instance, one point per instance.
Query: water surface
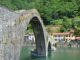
(59, 54)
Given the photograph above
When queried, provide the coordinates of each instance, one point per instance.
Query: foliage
(77, 28)
(49, 9)
(29, 29)
(53, 12)
(57, 22)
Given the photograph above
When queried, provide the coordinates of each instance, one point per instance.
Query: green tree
(29, 29)
(77, 29)
(62, 29)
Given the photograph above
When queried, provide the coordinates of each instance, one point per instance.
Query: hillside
(53, 12)
(52, 29)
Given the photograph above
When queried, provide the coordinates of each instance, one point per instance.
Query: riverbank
(74, 45)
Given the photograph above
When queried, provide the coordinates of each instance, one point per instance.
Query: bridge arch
(38, 30)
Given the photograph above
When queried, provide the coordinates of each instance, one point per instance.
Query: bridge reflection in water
(59, 54)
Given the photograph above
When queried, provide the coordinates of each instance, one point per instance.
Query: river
(59, 54)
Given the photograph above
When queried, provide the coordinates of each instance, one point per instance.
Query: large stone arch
(40, 36)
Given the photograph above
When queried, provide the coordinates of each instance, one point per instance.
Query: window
(66, 35)
(55, 35)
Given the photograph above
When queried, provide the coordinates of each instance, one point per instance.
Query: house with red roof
(67, 36)
(78, 38)
(29, 38)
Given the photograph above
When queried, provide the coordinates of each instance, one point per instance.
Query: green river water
(59, 54)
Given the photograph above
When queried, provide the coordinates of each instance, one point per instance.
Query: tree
(67, 24)
(77, 29)
(62, 29)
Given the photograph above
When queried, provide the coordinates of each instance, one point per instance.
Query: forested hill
(65, 13)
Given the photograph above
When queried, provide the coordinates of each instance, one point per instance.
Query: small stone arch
(49, 45)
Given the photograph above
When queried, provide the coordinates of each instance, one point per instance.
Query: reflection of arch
(38, 29)
(49, 46)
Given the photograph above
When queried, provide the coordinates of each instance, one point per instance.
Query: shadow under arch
(38, 29)
(49, 46)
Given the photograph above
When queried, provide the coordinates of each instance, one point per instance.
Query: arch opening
(49, 46)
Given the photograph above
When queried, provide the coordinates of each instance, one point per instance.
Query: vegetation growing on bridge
(54, 12)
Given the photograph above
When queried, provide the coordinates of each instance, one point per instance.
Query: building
(29, 38)
(61, 37)
(78, 38)
(25, 38)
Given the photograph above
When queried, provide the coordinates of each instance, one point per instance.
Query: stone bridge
(13, 25)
